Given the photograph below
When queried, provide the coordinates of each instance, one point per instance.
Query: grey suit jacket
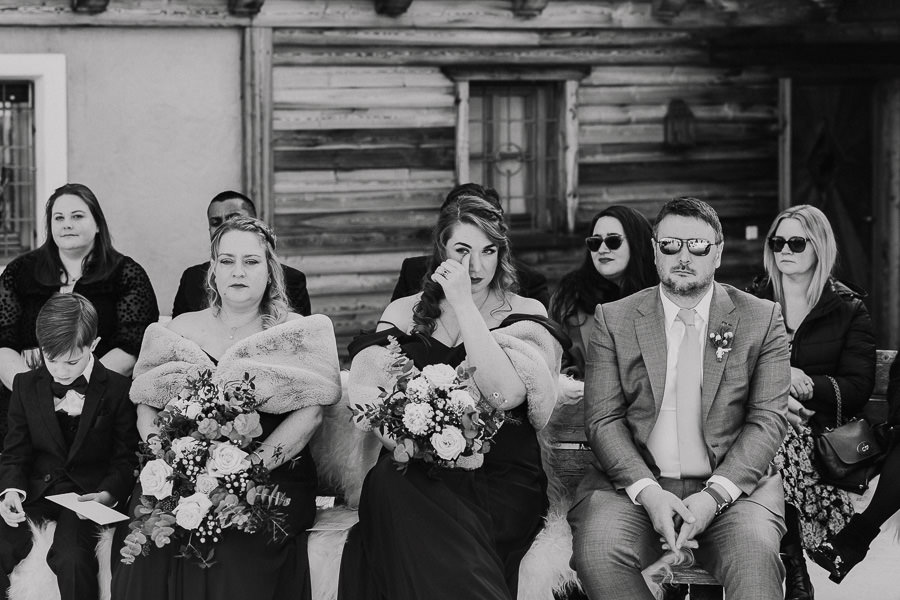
(744, 398)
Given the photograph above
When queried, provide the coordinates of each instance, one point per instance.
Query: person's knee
(71, 557)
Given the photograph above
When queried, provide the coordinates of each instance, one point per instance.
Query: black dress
(124, 299)
(443, 533)
(244, 565)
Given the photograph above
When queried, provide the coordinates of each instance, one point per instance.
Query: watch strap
(721, 502)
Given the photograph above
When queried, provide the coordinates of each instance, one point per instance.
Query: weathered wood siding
(363, 156)
(623, 158)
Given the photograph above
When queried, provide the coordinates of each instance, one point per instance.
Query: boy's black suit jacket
(36, 457)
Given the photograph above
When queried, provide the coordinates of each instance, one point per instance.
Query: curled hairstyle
(473, 205)
(66, 323)
(685, 206)
(102, 258)
(274, 305)
(584, 288)
(820, 237)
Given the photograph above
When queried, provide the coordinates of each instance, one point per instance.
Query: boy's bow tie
(60, 389)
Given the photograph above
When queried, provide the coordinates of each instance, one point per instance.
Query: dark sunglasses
(797, 244)
(696, 246)
(613, 241)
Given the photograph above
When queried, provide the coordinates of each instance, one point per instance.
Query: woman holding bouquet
(436, 532)
(294, 363)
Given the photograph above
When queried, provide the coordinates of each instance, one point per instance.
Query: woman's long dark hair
(99, 262)
(584, 288)
(475, 206)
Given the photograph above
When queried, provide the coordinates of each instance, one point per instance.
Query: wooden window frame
(569, 80)
(48, 74)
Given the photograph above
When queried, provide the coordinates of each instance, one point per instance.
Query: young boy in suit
(72, 428)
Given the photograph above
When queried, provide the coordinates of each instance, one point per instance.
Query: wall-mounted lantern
(90, 7)
(392, 8)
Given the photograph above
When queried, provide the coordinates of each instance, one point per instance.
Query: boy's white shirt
(71, 404)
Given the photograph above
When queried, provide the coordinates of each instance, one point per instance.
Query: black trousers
(72, 554)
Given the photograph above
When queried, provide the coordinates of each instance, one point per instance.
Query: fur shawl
(533, 351)
(295, 365)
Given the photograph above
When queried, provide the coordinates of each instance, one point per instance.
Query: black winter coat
(835, 339)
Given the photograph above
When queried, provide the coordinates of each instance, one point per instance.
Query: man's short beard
(687, 290)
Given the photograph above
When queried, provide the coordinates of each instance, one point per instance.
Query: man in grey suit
(684, 427)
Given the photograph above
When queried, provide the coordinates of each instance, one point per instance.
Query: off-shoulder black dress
(446, 533)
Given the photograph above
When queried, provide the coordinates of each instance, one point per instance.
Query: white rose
(190, 511)
(226, 459)
(418, 387)
(206, 483)
(193, 410)
(183, 446)
(155, 479)
(440, 375)
(417, 418)
(449, 443)
(462, 398)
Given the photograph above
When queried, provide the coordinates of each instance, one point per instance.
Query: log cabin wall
(364, 135)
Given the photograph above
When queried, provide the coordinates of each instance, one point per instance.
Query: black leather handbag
(850, 455)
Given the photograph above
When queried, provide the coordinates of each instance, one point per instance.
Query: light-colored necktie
(691, 445)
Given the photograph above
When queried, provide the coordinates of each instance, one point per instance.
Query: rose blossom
(227, 459)
(449, 443)
(190, 511)
(183, 446)
(248, 424)
(440, 375)
(155, 479)
(208, 428)
(206, 483)
(193, 410)
(417, 418)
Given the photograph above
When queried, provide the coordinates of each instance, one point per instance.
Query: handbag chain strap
(837, 397)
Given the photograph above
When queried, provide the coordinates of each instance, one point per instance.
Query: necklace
(234, 329)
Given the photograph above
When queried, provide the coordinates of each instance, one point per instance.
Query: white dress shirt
(663, 440)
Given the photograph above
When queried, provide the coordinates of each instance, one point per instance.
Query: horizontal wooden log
(442, 36)
(343, 139)
(580, 14)
(618, 55)
(349, 222)
(758, 209)
(349, 77)
(335, 305)
(723, 171)
(381, 158)
(375, 118)
(351, 283)
(686, 76)
(623, 193)
(342, 202)
(294, 182)
(766, 95)
(349, 260)
(653, 133)
(329, 242)
(643, 113)
(612, 154)
(335, 98)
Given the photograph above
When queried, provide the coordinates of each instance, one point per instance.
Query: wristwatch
(722, 503)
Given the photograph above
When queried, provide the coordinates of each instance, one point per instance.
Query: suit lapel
(650, 329)
(47, 409)
(92, 399)
(721, 314)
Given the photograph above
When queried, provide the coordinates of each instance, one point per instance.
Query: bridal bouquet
(196, 474)
(431, 415)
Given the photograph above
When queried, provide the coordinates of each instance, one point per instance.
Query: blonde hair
(274, 305)
(820, 238)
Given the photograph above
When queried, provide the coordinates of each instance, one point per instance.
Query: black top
(191, 295)
(125, 303)
(532, 284)
(835, 339)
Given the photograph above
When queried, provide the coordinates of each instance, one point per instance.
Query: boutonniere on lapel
(722, 340)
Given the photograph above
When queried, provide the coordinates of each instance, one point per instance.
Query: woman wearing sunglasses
(832, 355)
(618, 261)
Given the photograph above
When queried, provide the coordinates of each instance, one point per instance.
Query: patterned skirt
(823, 508)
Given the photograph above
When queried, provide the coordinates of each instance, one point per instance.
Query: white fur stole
(295, 365)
